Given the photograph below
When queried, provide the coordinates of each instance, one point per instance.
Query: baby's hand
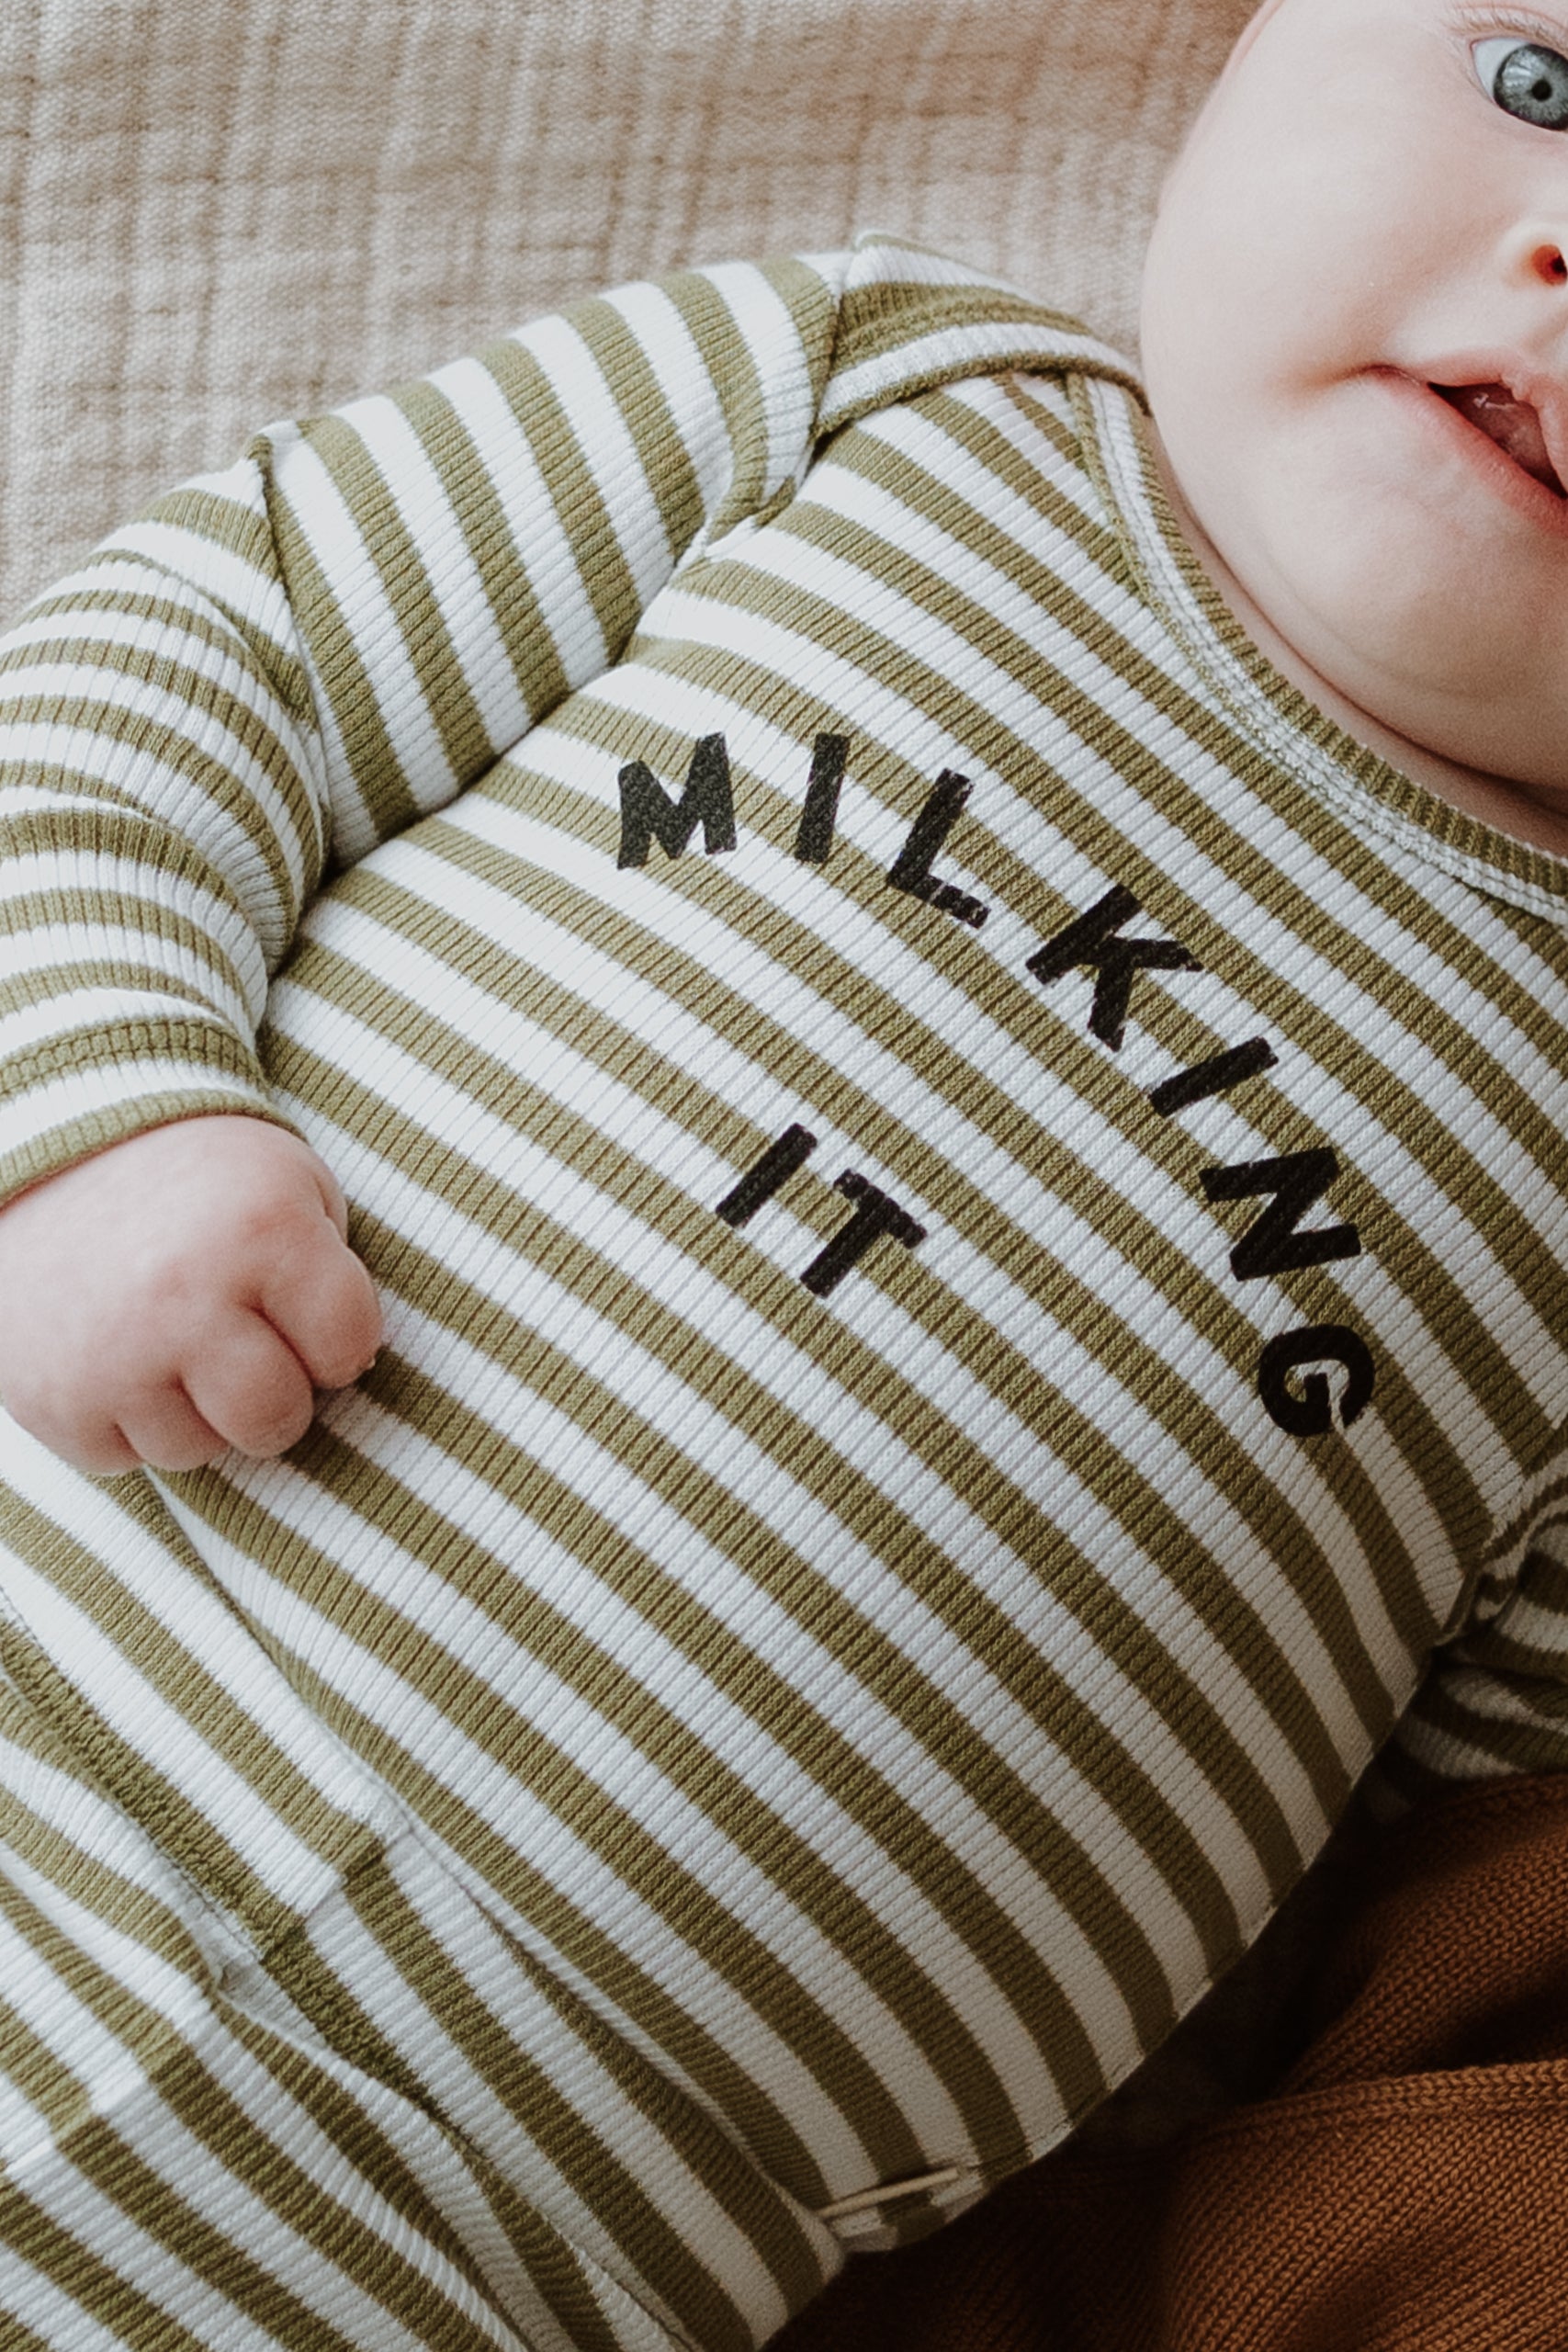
(180, 1293)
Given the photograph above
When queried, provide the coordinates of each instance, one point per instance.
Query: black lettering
(911, 869)
(1216, 1076)
(821, 814)
(760, 1181)
(1310, 1413)
(648, 813)
(1273, 1246)
(874, 1215)
(1092, 939)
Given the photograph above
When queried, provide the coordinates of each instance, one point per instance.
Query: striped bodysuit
(969, 1201)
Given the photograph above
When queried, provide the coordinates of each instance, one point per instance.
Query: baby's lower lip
(1531, 499)
(1511, 425)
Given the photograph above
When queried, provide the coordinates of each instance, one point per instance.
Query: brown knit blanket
(1404, 2184)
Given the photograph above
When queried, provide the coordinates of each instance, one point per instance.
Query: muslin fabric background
(217, 212)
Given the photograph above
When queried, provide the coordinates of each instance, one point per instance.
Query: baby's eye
(1525, 79)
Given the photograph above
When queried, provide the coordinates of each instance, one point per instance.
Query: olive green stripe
(974, 433)
(695, 1915)
(1032, 404)
(60, 1147)
(56, 2092)
(194, 764)
(520, 620)
(43, 1844)
(876, 322)
(102, 2155)
(905, 1552)
(733, 364)
(1541, 1746)
(297, 1966)
(639, 396)
(425, 641)
(231, 523)
(1329, 837)
(1008, 1374)
(108, 1045)
(19, 2336)
(581, 515)
(1547, 943)
(1224, 1462)
(56, 983)
(1539, 1506)
(623, 2205)
(1491, 1377)
(1497, 1653)
(326, 632)
(279, 671)
(191, 1838)
(781, 1712)
(633, 1852)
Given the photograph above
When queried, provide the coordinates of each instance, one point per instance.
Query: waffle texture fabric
(969, 1204)
(212, 216)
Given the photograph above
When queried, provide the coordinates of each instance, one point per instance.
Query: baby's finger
(97, 1445)
(165, 1430)
(332, 1195)
(324, 1304)
(251, 1388)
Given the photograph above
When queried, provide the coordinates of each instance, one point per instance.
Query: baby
(918, 1023)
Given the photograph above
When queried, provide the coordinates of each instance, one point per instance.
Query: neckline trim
(1272, 714)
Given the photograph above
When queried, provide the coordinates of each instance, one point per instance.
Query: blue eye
(1527, 81)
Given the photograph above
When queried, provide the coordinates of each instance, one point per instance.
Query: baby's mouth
(1512, 424)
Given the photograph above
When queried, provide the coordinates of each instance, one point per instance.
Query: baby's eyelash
(1498, 22)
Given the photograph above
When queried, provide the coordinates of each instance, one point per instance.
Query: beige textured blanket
(212, 215)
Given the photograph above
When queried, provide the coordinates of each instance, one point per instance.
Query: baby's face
(1375, 201)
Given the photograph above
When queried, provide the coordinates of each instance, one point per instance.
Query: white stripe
(327, 525)
(152, 1727)
(98, 881)
(541, 545)
(858, 1434)
(204, 820)
(606, 448)
(1537, 1358)
(780, 994)
(39, 1120)
(457, 590)
(773, 335)
(507, 1808)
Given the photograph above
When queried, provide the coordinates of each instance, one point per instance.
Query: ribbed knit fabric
(1402, 2188)
(969, 1204)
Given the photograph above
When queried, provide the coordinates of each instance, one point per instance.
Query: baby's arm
(187, 1290)
(277, 668)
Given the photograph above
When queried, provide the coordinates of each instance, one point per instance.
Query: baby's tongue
(1512, 424)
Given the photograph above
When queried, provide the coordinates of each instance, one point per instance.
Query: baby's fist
(184, 1291)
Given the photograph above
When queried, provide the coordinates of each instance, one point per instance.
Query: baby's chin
(1426, 640)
